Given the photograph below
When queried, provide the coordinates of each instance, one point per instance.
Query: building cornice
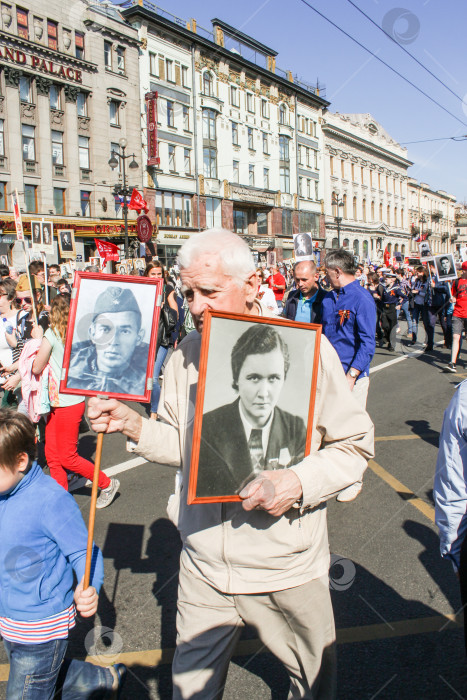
(335, 132)
(45, 52)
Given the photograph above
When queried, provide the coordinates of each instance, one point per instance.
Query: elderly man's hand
(112, 416)
(274, 491)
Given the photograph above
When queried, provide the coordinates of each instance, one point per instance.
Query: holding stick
(92, 511)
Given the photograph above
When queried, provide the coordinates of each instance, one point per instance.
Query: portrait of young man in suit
(252, 433)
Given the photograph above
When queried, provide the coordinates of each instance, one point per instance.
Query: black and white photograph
(66, 243)
(110, 345)
(4, 260)
(271, 258)
(36, 235)
(258, 393)
(425, 251)
(445, 267)
(47, 237)
(303, 246)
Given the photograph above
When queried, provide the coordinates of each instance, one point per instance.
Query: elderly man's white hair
(236, 258)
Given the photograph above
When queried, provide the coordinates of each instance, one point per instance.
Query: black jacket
(290, 308)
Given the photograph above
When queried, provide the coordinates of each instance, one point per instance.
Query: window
(52, 32)
(284, 178)
(234, 96)
(207, 83)
(380, 212)
(342, 168)
(236, 171)
(344, 199)
(79, 45)
(308, 158)
(114, 112)
(3, 197)
(83, 150)
(54, 97)
(402, 218)
(185, 77)
(316, 190)
(108, 55)
(153, 65)
(250, 103)
(209, 124)
(85, 200)
(250, 139)
(186, 118)
(22, 23)
(282, 114)
(395, 216)
(173, 209)
(115, 148)
(265, 144)
(25, 89)
(82, 104)
(261, 223)
(301, 150)
(169, 70)
(59, 201)
(315, 159)
(283, 148)
(388, 215)
(235, 133)
(120, 59)
(287, 222)
(170, 113)
(379, 180)
(372, 211)
(331, 164)
(171, 158)
(57, 148)
(209, 162)
(2, 140)
(308, 189)
(352, 168)
(354, 208)
(213, 212)
(187, 161)
(361, 175)
(28, 138)
(364, 209)
(251, 175)
(265, 109)
(301, 186)
(266, 178)
(240, 218)
(30, 198)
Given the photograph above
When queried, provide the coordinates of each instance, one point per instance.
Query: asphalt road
(392, 593)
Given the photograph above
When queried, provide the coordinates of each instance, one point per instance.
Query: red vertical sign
(151, 116)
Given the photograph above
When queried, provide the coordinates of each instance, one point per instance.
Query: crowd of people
(263, 560)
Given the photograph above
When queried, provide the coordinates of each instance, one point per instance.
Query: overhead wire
(442, 138)
(365, 48)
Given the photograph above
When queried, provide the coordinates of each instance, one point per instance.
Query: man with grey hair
(349, 323)
(263, 561)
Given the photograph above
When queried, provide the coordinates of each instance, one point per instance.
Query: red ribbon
(344, 314)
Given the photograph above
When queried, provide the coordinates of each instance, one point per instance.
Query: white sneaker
(107, 495)
(350, 493)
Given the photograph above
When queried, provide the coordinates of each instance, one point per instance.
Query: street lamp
(338, 202)
(123, 191)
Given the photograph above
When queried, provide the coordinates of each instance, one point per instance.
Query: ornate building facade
(432, 216)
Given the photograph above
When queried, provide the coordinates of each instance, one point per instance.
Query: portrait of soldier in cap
(114, 357)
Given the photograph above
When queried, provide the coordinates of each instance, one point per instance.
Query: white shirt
(265, 430)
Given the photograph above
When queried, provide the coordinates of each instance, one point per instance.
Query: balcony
(85, 174)
(436, 215)
(59, 170)
(211, 102)
(30, 167)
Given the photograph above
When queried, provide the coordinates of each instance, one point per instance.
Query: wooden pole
(33, 298)
(92, 512)
(44, 258)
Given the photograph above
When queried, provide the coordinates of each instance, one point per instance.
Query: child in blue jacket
(43, 540)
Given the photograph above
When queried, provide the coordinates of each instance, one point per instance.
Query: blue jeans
(38, 670)
(156, 389)
(406, 310)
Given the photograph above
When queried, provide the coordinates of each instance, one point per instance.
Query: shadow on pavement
(423, 430)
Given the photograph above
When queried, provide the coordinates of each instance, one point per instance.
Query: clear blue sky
(432, 30)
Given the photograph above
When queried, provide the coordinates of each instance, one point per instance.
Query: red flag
(386, 257)
(107, 251)
(137, 202)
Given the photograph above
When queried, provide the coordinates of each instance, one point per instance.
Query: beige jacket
(252, 552)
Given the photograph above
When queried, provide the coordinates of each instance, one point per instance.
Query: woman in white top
(265, 293)
(9, 312)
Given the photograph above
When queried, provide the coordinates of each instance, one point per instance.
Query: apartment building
(432, 216)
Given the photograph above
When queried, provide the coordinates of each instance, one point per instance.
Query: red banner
(137, 202)
(17, 213)
(107, 251)
(151, 120)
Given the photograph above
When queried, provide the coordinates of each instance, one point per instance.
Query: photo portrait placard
(66, 243)
(445, 267)
(47, 237)
(255, 401)
(36, 236)
(111, 336)
(303, 246)
(425, 251)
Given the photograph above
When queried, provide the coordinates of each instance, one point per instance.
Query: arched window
(365, 249)
(372, 211)
(380, 212)
(389, 215)
(402, 218)
(395, 217)
(356, 247)
(364, 209)
(282, 114)
(344, 199)
(396, 247)
(403, 249)
(207, 83)
(389, 248)
(345, 243)
(354, 208)
(334, 243)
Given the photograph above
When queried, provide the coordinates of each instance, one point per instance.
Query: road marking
(111, 471)
(346, 635)
(415, 353)
(385, 438)
(408, 495)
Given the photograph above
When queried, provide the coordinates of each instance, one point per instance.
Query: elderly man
(304, 302)
(264, 561)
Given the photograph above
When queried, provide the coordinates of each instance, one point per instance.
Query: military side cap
(24, 286)
(116, 299)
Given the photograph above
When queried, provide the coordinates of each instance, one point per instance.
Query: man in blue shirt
(304, 303)
(349, 323)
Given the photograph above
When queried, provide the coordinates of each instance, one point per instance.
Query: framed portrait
(255, 401)
(4, 260)
(47, 237)
(94, 261)
(463, 254)
(111, 336)
(303, 246)
(270, 258)
(425, 251)
(66, 243)
(36, 236)
(445, 267)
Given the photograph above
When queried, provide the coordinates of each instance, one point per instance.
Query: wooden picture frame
(111, 337)
(66, 243)
(284, 359)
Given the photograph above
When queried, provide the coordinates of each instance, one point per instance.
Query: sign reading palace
(40, 64)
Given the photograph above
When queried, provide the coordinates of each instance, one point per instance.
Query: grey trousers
(296, 624)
